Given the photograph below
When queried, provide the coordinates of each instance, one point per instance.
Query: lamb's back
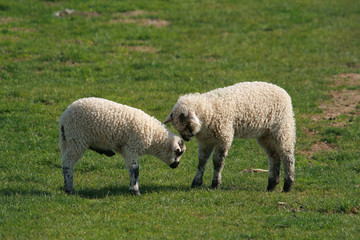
(107, 121)
(251, 107)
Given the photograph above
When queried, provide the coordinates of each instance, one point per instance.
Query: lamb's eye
(182, 117)
(188, 127)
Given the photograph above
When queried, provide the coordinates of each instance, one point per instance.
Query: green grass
(48, 62)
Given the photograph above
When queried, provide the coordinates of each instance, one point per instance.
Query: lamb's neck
(204, 111)
(159, 143)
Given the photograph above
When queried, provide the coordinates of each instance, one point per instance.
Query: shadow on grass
(99, 193)
(13, 192)
(92, 193)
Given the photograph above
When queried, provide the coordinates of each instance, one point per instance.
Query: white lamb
(245, 110)
(105, 126)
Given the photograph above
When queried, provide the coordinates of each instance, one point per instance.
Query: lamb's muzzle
(174, 164)
(178, 152)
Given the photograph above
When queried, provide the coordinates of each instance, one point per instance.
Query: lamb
(245, 110)
(108, 127)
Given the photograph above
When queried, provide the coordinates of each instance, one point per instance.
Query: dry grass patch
(343, 102)
(128, 18)
(143, 22)
(155, 22)
(139, 48)
(347, 79)
(6, 20)
(317, 146)
(22, 29)
(133, 13)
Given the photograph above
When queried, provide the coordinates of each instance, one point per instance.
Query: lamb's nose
(174, 164)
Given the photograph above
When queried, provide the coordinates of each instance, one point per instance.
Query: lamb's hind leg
(219, 162)
(288, 160)
(274, 161)
(69, 159)
(204, 155)
(132, 166)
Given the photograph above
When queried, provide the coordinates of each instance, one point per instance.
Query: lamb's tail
(62, 139)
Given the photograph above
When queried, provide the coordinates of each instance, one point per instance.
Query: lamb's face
(177, 149)
(184, 121)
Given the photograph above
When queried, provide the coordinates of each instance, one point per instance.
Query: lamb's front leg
(133, 169)
(219, 162)
(204, 155)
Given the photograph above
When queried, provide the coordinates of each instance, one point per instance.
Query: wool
(108, 127)
(245, 110)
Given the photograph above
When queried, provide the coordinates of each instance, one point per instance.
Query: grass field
(146, 54)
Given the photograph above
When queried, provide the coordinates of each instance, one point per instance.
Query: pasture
(146, 54)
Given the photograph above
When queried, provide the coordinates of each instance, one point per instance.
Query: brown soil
(5, 20)
(317, 146)
(342, 102)
(144, 22)
(352, 79)
(127, 17)
(141, 49)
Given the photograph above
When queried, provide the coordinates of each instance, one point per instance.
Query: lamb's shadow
(98, 193)
(13, 191)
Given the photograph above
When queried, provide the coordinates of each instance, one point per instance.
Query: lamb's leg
(219, 162)
(204, 155)
(69, 159)
(133, 169)
(267, 145)
(288, 160)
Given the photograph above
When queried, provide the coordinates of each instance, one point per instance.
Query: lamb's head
(176, 150)
(184, 121)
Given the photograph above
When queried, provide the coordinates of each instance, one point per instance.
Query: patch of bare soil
(128, 17)
(5, 20)
(317, 146)
(133, 13)
(320, 147)
(342, 102)
(347, 79)
(144, 22)
(141, 48)
(21, 29)
(155, 22)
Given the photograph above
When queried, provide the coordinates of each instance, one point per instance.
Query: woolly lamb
(245, 110)
(105, 126)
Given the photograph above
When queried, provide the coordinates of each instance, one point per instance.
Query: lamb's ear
(168, 119)
(193, 118)
(175, 146)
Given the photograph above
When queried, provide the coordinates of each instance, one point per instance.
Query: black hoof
(196, 184)
(272, 184)
(70, 192)
(288, 185)
(215, 184)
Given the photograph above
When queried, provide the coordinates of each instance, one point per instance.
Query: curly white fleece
(106, 126)
(245, 110)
